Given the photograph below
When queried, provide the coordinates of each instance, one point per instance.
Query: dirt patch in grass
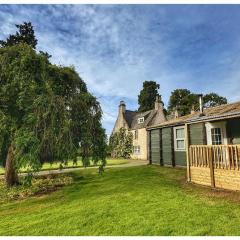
(211, 193)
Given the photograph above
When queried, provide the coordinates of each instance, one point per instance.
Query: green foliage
(25, 34)
(31, 187)
(213, 99)
(147, 96)
(46, 111)
(121, 144)
(184, 100)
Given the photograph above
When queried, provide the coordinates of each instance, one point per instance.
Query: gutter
(219, 117)
(198, 120)
(164, 126)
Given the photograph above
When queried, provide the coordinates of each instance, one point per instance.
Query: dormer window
(140, 120)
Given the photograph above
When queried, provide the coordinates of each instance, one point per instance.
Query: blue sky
(115, 48)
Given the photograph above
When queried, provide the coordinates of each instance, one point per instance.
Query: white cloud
(116, 48)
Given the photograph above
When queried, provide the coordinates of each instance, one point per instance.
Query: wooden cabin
(206, 142)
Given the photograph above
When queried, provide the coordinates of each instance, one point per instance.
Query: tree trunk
(11, 177)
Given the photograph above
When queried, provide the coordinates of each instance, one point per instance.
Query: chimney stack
(158, 103)
(200, 96)
(122, 107)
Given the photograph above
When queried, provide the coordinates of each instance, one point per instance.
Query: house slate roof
(213, 113)
(132, 118)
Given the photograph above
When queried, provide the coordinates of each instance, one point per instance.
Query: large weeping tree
(46, 113)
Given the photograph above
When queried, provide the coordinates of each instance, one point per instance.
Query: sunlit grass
(146, 200)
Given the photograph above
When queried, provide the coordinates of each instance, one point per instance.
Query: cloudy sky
(116, 47)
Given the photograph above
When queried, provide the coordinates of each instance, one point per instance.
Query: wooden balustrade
(222, 156)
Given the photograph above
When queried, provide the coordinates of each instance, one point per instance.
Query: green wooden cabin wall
(155, 146)
(233, 130)
(197, 134)
(180, 158)
(167, 146)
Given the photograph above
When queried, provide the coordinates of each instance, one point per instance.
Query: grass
(55, 165)
(146, 200)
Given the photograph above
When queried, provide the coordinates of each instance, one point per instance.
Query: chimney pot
(122, 107)
(158, 103)
(200, 96)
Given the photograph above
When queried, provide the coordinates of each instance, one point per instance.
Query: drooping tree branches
(47, 113)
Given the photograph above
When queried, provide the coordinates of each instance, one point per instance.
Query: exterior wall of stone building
(120, 122)
(140, 141)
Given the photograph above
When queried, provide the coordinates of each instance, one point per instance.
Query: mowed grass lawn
(144, 200)
(55, 165)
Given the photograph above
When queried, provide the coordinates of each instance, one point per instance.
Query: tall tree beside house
(46, 113)
(121, 144)
(213, 99)
(147, 96)
(25, 34)
(184, 100)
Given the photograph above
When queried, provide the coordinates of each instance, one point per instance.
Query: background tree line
(181, 99)
(46, 111)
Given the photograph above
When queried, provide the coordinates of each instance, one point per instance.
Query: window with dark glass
(136, 134)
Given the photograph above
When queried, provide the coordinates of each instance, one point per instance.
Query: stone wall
(142, 142)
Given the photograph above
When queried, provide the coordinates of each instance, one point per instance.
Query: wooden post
(211, 166)
(187, 153)
(172, 148)
(149, 157)
(160, 147)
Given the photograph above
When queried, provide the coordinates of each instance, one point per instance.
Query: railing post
(187, 153)
(211, 166)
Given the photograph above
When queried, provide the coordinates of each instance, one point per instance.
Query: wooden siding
(197, 134)
(155, 147)
(167, 146)
(233, 130)
(180, 158)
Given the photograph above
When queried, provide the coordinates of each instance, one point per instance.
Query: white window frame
(136, 150)
(179, 139)
(140, 120)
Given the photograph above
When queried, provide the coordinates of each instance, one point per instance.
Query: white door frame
(222, 126)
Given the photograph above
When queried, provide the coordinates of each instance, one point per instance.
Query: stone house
(137, 122)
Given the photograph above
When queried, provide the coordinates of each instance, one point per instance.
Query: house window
(179, 137)
(216, 136)
(140, 120)
(136, 150)
(136, 134)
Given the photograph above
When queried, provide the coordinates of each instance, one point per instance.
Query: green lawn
(146, 200)
(48, 166)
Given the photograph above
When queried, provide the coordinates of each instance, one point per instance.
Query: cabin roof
(214, 113)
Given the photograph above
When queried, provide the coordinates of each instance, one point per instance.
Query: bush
(40, 185)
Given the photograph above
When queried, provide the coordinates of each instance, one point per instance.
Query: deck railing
(221, 156)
